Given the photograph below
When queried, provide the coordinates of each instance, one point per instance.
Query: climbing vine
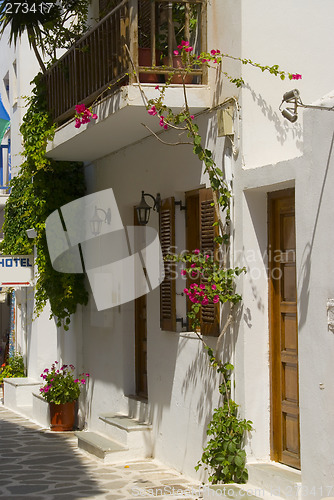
(224, 456)
(42, 186)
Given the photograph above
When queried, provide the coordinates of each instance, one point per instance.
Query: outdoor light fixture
(144, 209)
(31, 233)
(292, 97)
(96, 221)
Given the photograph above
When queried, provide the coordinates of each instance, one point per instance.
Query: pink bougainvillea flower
(193, 264)
(87, 374)
(207, 257)
(186, 290)
(80, 108)
(157, 87)
(183, 272)
(184, 43)
(192, 117)
(188, 49)
(216, 299)
(202, 287)
(196, 251)
(193, 274)
(213, 52)
(94, 116)
(205, 301)
(152, 111)
(165, 126)
(83, 381)
(296, 76)
(213, 287)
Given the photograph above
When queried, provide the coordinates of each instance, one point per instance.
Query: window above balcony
(135, 36)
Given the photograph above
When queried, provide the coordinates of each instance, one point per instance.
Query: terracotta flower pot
(62, 417)
(177, 63)
(145, 59)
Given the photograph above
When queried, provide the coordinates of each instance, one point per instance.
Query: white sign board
(16, 270)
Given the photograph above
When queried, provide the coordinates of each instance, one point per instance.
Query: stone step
(130, 432)
(101, 446)
(277, 479)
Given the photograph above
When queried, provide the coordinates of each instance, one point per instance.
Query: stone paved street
(39, 464)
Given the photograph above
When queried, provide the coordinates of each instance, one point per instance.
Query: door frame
(276, 431)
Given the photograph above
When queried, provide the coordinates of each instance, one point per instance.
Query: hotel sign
(16, 270)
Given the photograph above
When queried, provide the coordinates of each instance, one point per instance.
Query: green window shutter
(167, 287)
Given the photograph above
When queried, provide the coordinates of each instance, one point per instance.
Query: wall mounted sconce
(179, 203)
(144, 209)
(292, 97)
(96, 221)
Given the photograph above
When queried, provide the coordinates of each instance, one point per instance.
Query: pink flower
(87, 374)
(196, 252)
(152, 111)
(184, 43)
(80, 108)
(83, 381)
(76, 381)
(213, 52)
(157, 87)
(188, 49)
(165, 126)
(202, 287)
(192, 117)
(193, 264)
(176, 52)
(205, 301)
(193, 274)
(216, 299)
(207, 257)
(186, 290)
(213, 287)
(183, 272)
(94, 116)
(296, 76)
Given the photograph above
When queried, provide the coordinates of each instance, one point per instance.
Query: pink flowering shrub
(211, 282)
(83, 115)
(60, 385)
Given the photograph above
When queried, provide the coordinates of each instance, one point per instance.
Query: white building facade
(281, 341)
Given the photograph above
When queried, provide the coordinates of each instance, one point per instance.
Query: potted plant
(61, 390)
(14, 367)
(179, 36)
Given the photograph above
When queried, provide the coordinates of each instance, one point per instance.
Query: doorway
(285, 434)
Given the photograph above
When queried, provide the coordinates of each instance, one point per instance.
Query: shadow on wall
(282, 127)
(40, 464)
(305, 269)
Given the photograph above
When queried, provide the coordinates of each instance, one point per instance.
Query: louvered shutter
(207, 216)
(167, 287)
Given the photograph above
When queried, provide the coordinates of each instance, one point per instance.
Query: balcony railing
(99, 62)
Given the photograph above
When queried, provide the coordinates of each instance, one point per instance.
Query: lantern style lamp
(144, 209)
(96, 221)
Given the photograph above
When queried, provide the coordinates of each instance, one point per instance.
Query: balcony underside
(119, 123)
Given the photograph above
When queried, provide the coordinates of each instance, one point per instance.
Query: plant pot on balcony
(145, 59)
(178, 78)
(62, 416)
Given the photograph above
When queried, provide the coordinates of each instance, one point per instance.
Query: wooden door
(140, 340)
(285, 435)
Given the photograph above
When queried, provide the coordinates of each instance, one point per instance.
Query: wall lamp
(292, 97)
(96, 221)
(144, 209)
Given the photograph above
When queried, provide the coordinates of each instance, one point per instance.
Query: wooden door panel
(285, 437)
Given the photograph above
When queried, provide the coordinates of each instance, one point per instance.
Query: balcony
(98, 70)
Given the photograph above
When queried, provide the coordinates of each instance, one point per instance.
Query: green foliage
(43, 186)
(60, 385)
(14, 368)
(224, 456)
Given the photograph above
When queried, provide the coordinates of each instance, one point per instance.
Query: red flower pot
(145, 59)
(178, 78)
(62, 417)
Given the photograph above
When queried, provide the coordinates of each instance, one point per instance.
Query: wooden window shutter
(167, 287)
(207, 216)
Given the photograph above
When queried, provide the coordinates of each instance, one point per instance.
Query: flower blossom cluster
(296, 76)
(197, 294)
(59, 382)
(83, 115)
(184, 46)
(153, 111)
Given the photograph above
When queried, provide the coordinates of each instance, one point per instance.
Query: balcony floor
(119, 123)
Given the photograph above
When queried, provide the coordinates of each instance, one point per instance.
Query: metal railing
(99, 62)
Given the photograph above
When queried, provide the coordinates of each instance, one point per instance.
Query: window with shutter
(200, 233)
(210, 312)
(167, 287)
